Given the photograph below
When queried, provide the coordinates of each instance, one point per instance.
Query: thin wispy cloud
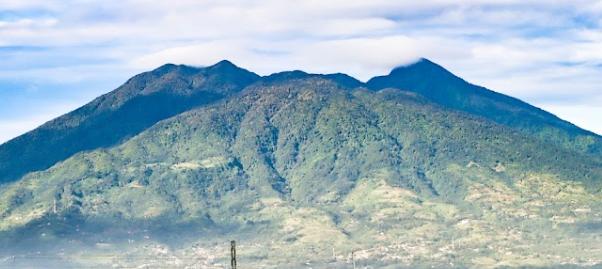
(548, 53)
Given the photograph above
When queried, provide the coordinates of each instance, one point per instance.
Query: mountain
(439, 85)
(302, 170)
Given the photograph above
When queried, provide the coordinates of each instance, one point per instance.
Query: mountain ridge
(445, 88)
(434, 84)
(141, 102)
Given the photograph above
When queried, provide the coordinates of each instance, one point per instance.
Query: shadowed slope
(441, 86)
(117, 116)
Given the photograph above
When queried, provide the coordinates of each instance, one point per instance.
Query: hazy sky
(57, 55)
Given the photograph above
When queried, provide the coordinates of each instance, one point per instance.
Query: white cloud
(24, 23)
(367, 57)
(359, 57)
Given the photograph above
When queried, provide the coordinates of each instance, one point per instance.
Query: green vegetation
(298, 166)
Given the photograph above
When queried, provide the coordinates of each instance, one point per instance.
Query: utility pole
(233, 254)
(334, 255)
(353, 258)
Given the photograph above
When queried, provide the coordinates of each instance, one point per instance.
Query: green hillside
(306, 169)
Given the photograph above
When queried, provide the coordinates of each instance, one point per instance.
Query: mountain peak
(225, 63)
(230, 71)
(286, 75)
(423, 67)
(344, 80)
(224, 66)
(164, 69)
(423, 72)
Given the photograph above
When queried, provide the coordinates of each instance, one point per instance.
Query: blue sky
(58, 55)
